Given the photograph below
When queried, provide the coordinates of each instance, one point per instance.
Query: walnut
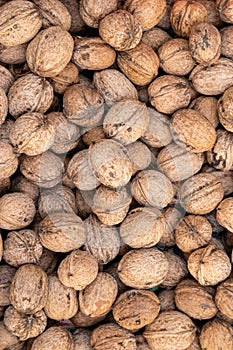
(143, 268)
(216, 334)
(209, 265)
(155, 37)
(48, 261)
(62, 233)
(42, 56)
(194, 300)
(225, 10)
(121, 30)
(140, 155)
(213, 16)
(78, 269)
(20, 22)
(68, 76)
(83, 202)
(29, 289)
(93, 11)
(4, 185)
(92, 135)
(177, 270)
(13, 54)
(21, 184)
(77, 23)
(225, 109)
(5, 130)
(172, 217)
(3, 106)
(167, 300)
(9, 160)
(223, 298)
(54, 336)
(81, 320)
(8, 340)
(224, 213)
(82, 339)
(227, 42)
(1, 247)
(171, 330)
(24, 326)
(6, 275)
(221, 155)
(6, 78)
(207, 106)
(225, 177)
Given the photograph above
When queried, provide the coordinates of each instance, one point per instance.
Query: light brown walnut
(224, 108)
(77, 23)
(8, 340)
(155, 37)
(92, 11)
(13, 54)
(227, 42)
(224, 213)
(207, 106)
(216, 334)
(9, 160)
(82, 339)
(177, 270)
(58, 337)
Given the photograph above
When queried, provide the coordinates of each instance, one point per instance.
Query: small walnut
(215, 335)
(167, 300)
(172, 217)
(177, 270)
(20, 22)
(13, 54)
(82, 339)
(81, 320)
(155, 37)
(6, 275)
(223, 298)
(194, 300)
(209, 265)
(3, 106)
(83, 202)
(201, 194)
(57, 337)
(169, 93)
(224, 213)
(225, 109)
(171, 330)
(207, 106)
(143, 268)
(42, 55)
(93, 11)
(225, 10)
(8, 340)
(24, 326)
(9, 160)
(121, 30)
(110, 336)
(78, 269)
(62, 233)
(227, 42)
(184, 14)
(29, 289)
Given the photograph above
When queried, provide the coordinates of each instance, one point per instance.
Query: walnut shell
(3, 106)
(209, 265)
(114, 86)
(215, 335)
(6, 78)
(146, 304)
(201, 194)
(223, 298)
(103, 241)
(155, 37)
(225, 10)
(207, 106)
(81, 320)
(98, 297)
(177, 270)
(169, 93)
(62, 233)
(143, 268)
(227, 42)
(30, 93)
(213, 16)
(172, 217)
(6, 275)
(9, 160)
(77, 23)
(171, 330)
(224, 213)
(140, 155)
(225, 109)
(195, 300)
(83, 202)
(139, 64)
(167, 300)
(20, 22)
(8, 340)
(92, 135)
(221, 155)
(24, 326)
(54, 336)
(110, 336)
(82, 339)
(78, 269)
(68, 76)
(42, 56)
(22, 247)
(48, 261)
(93, 11)
(29, 289)
(1, 247)
(121, 30)
(13, 54)
(5, 130)
(17, 211)
(21, 184)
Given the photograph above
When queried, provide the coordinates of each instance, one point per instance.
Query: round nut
(3, 106)
(177, 270)
(223, 298)
(216, 334)
(207, 106)
(227, 43)
(224, 213)
(54, 336)
(82, 339)
(225, 109)
(8, 340)
(9, 160)
(140, 155)
(93, 11)
(13, 54)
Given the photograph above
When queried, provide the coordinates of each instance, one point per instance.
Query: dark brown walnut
(9, 160)
(42, 56)
(171, 330)
(6, 78)
(20, 22)
(114, 86)
(223, 298)
(44, 170)
(82, 339)
(175, 57)
(143, 268)
(6, 275)
(53, 13)
(24, 326)
(103, 241)
(113, 271)
(62, 232)
(110, 336)
(207, 106)
(93, 11)
(29, 289)
(83, 105)
(121, 30)
(21, 184)
(158, 132)
(62, 302)
(78, 269)
(135, 309)
(22, 247)
(225, 109)
(227, 42)
(110, 163)
(216, 334)
(221, 155)
(59, 337)
(3, 106)
(224, 213)
(98, 297)
(155, 37)
(91, 135)
(126, 121)
(143, 227)
(191, 130)
(184, 14)
(167, 300)
(8, 340)
(165, 22)
(169, 93)
(201, 194)
(193, 232)
(148, 12)
(48, 261)
(152, 188)
(225, 10)
(173, 217)
(5, 130)
(17, 211)
(68, 76)
(139, 64)
(140, 155)
(177, 270)
(209, 265)
(77, 23)
(32, 134)
(212, 79)
(194, 300)
(81, 320)
(13, 54)
(66, 134)
(177, 163)
(92, 53)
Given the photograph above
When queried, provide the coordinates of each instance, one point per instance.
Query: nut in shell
(6, 275)
(9, 160)
(93, 11)
(216, 334)
(224, 214)
(225, 109)
(54, 336)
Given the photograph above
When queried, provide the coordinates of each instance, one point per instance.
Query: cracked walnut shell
(221, 155)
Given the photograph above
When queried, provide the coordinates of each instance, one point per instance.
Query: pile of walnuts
(116, 174)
